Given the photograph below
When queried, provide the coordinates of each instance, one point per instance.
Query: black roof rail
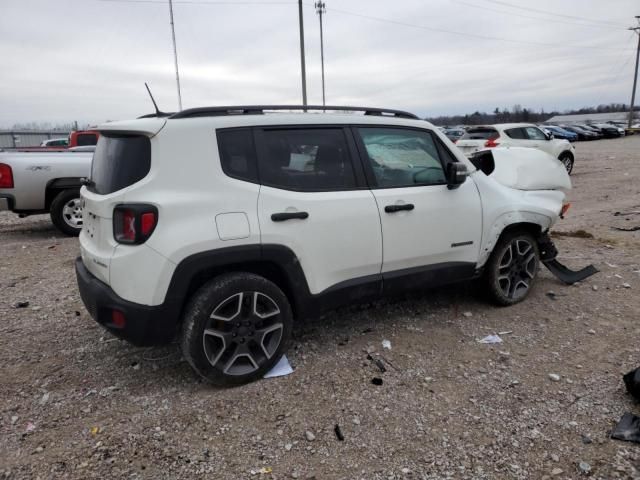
(157, 115)
(260, 109)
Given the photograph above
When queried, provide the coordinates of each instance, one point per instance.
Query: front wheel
(66, 212)
(235, 328)
(567, 161)
(512, 268)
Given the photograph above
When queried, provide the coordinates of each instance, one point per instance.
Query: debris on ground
(24, 304)
(554, 377)
(338, 433)
(386, 344)
(491, 339)
(628, 428)
(632, 382)
(309, 436)
(584, 467)
(280, 369)
(378, 363)
(376, 381)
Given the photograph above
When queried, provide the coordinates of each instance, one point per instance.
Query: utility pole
(635, 75)
(175, 53)
(321, 10)
(302, 65)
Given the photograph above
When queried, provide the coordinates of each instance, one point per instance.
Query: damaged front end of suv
(538, 183)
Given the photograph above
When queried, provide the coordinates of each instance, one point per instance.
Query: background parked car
(516, 135)
(591, 128)
(609, 131)
(581, 132)
(55, 142)
(560, 133)
(454, 134)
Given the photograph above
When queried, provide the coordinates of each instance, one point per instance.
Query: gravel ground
(77, 403)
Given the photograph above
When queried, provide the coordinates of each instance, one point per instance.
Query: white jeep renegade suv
(224, 224)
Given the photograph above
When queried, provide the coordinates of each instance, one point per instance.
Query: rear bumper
(144, 324)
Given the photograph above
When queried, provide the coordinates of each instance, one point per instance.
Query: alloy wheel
(242, 333)
(72, 213)
(517, 268)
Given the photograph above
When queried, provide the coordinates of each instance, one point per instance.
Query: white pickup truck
(40, 182)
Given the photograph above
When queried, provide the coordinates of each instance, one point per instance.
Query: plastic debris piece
(30, 427)
(280, 369)
(376, 381)
(21, 304)
(491, 339)
(377, 362)
(628, 428)
(632, 382)
(554, 377)
(264, 470)
(339, 435)
(386, 344)
(506, 332)
(94, 430)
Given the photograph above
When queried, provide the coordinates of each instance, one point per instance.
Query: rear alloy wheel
(567, 161)
(236, 328)
(512, 268)
(66, 212)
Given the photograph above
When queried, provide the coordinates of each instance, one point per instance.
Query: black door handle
(397, 208)
(281, 217)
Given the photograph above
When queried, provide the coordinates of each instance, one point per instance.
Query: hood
(523, 168)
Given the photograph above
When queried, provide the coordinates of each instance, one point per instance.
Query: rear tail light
(6, 176)
(133, 224)
(490, 143)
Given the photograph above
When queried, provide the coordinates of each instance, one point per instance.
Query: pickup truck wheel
(567, 161)
(235, 328)
(66, 212)
(512, 268)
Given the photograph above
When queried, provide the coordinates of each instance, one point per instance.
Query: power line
(466, 34)
(201, 2)
(565, 22)
(529, 9)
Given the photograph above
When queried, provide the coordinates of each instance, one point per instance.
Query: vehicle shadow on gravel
(30, 231)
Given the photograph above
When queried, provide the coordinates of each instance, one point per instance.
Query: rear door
(314, 200)
(431, 233)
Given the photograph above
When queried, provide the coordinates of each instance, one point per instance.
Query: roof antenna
(155, 105)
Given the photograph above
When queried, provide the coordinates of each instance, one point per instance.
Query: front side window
(535, 133)
(306, 159)
(402, 157)
(87, 139)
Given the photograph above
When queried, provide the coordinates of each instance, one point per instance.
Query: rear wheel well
(269, 270)
(54, 187)
(532, 228)
(566, 152)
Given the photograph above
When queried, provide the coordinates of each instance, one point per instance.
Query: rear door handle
(282, 216)
(397, 208)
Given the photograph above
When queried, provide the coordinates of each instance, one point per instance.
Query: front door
(431, 234)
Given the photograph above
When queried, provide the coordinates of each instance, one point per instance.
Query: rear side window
(119, 161)
(480, 133)
(516, 133)
(238, 154)
(306, 159)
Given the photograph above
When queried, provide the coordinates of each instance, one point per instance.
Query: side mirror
(456, 174)
(548, 135)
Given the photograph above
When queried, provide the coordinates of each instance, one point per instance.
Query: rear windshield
(119, 161)
(482, 133)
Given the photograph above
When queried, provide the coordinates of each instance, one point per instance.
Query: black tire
(506, 281)
(567, 160)
(66, 213)
(250, 332)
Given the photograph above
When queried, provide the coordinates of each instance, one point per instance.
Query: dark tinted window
(238, 154)
(87, 139)
(402, 157)
(306, 159)
(516, 133)
(480, 133)
(119, 161)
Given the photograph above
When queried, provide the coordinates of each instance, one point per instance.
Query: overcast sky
(87, 60)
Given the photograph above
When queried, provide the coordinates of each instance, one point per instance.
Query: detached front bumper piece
(548, 254)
